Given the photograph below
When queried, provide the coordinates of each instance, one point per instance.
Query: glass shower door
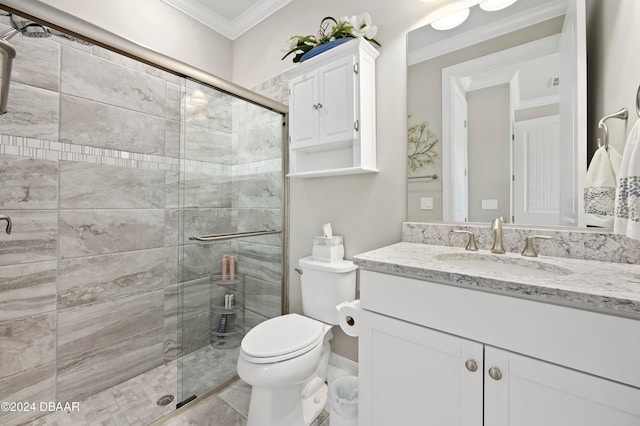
(231, 222)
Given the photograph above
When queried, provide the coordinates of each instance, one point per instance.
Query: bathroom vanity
(452, 337)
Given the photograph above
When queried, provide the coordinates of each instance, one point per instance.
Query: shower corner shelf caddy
(234, 331)
(332, 113)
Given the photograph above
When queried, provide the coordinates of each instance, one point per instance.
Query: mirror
(497, 116)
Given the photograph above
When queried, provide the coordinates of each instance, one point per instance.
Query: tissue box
(328, 249)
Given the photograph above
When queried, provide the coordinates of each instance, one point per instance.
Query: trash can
(343, 396)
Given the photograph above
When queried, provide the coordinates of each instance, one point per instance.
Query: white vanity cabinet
(435, 354)
(332, 126)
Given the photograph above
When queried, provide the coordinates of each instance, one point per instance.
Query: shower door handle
(9, 225)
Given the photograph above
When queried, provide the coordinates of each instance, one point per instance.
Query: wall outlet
(426, 203)
(489, 204)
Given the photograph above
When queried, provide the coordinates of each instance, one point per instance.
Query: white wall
(156, 25)
(489, 151)
(614, 67)
(366, 209)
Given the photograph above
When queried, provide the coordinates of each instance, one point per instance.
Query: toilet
(285, 358)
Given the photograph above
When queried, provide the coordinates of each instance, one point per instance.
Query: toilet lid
(281, 335)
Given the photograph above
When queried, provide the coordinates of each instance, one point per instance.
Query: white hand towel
(627, 210)
(600, 187)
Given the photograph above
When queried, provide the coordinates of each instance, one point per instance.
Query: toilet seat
(281, 338)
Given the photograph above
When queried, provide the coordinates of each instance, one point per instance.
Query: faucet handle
(471, 244)
(529, 247)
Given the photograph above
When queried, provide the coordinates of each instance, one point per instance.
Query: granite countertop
(607, 287)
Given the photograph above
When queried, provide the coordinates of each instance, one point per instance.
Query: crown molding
(256, 14)
(230, 29)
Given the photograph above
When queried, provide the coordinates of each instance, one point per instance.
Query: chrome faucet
(496, 227)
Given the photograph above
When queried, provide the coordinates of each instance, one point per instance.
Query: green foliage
(345, 27)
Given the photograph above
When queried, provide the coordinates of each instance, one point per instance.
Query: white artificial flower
(289, 44)
(366, 19)
(360, 24)
(353, 21)
(343, 20)
(372, 31)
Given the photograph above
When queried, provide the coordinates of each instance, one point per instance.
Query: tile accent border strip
(61, 151)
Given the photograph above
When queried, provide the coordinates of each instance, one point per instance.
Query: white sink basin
(488, 263)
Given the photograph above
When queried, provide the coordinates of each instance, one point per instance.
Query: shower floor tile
(134, 402)
(130, 403)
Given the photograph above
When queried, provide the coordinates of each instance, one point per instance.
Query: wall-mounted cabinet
(332, 115)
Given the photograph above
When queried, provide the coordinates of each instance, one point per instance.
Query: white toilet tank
(325, 285)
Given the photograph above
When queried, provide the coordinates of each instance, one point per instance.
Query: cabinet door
(303, 123)
(533, 393)
(337, 113)
(412, 375)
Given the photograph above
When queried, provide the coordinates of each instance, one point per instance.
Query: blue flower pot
(324, 47)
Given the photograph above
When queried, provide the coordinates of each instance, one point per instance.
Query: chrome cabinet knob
(471, 365)
(495, 373)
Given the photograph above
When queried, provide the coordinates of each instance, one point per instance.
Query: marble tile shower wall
(88, 172)
(257, 205)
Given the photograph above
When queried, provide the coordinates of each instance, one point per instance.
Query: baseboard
(338, 363)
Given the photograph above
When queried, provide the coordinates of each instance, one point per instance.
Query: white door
(412, 375)
(534, 393)
(303, 122)
(459, 149)
(536, 174)
(573, 114)
(337, 101)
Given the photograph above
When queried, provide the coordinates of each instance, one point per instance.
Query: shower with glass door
(145, 226)
(231, 230)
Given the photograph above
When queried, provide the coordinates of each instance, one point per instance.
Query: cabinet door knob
(319, 105)
(471, 365)
(495, 373)
(315, 106)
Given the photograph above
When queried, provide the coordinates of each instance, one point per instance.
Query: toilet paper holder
(348, 317)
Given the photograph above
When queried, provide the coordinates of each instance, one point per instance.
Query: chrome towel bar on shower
(221, 237)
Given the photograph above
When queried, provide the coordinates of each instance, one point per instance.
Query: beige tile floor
(229, 407)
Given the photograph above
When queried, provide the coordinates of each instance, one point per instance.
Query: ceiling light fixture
(493, 5)
(451, 21)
